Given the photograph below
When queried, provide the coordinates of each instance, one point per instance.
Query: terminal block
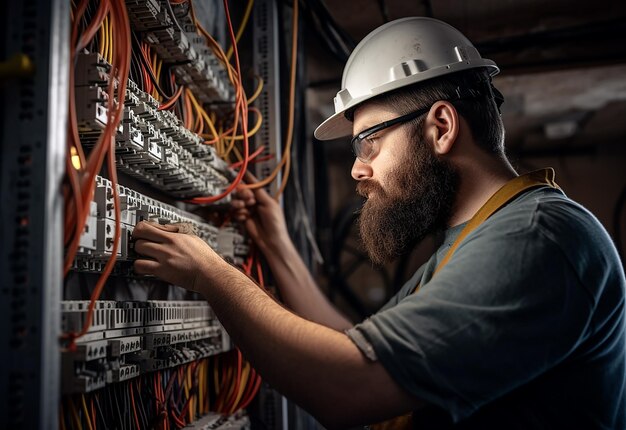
(96, 242)
(194, 64)
(128, 338)
(151, 145)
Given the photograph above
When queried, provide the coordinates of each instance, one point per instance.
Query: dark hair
(477, 104)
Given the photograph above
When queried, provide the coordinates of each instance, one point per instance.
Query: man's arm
(265, 222)
(316, 366)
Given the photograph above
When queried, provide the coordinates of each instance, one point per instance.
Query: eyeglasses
(365, 148)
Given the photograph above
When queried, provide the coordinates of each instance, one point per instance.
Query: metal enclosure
(34, 114)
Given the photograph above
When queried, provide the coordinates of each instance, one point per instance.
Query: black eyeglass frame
(461, 94)
(356, 140)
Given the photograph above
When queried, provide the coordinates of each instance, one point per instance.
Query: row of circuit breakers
(96, 242)
(152, 145)
(129, 338)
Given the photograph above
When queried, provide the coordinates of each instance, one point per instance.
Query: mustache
(365, 188)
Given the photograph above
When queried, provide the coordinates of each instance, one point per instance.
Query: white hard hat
(397, 54)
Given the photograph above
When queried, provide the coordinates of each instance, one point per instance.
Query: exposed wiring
(120, 68)
(286, 159)
(242, 27)
(258, 90)
(86, 412)
(241, 107)
(168, 4)
(168, 104)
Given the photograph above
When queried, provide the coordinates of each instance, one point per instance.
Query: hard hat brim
(334, 127)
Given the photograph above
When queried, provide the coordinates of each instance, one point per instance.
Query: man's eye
(370, 140)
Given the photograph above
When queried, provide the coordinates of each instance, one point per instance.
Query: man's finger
(150, 231)
(172, 228)
(148, 248)
(146, 267)
(243, 193)
(262, 196)
(242, 213)
(238, 204)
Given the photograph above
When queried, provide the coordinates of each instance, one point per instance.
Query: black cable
(100, 412)
(617, 223)
(384, 10)
(128, 416)
(142, 409)
(327, 19)
(119, 416)
(171, 11)
(149, 70)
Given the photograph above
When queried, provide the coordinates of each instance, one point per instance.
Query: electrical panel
(151, 125)
(167, 150)
(127, 339)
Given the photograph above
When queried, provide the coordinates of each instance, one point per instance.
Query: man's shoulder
(549, 212)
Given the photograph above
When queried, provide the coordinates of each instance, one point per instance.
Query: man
(518, 321)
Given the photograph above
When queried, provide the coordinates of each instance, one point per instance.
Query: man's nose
(361, 171)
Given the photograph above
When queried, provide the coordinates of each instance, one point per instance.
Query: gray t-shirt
(523, 328)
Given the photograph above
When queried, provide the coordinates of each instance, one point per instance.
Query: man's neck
(476, 186)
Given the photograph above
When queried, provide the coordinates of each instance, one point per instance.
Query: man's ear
(442, 126)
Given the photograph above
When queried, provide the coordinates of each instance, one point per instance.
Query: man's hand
(263, 218)
(174, 257)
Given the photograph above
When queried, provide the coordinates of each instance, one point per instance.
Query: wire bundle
(167, 399)
(81, 174)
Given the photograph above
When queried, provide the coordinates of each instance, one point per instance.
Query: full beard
(419, 201)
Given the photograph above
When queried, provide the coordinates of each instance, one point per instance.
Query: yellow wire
(242, 27)
(242, 385)
(101, 39)
(105, 24)
(75, 414)
(252, 131)
(258, 90)
(158, 77)
(111, 45)
(202, 112)
(87, 416)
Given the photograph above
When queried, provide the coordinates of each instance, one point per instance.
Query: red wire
(259, 272)
(233, 399)
(132, 401)
(250, 158)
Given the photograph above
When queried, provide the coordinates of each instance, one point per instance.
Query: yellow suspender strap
(504, 195)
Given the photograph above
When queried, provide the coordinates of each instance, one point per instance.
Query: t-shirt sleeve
(506, 308)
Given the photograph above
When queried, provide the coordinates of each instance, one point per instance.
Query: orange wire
(242, 106)
(168, 104)
(106, 144)
(93, 414)
(250, 158)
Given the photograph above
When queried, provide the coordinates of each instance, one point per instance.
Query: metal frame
(34, 120)
(266, 63)
(273, 408)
